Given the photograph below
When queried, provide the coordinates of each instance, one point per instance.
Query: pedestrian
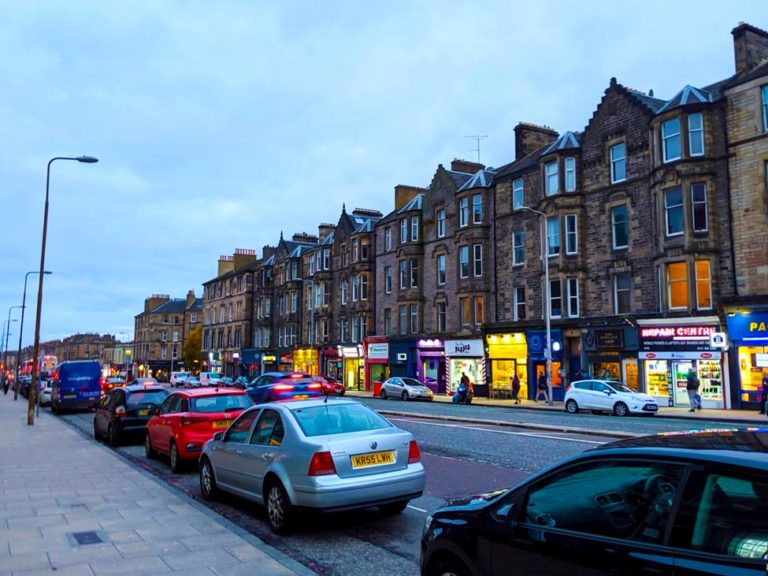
(516, 389)
(542, 388)
(764, 394)
(692, 386)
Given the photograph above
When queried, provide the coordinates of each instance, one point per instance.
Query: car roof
(141, 388)
(199, 392)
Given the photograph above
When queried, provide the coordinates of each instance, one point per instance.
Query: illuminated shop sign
(471, 348)
(378, 351)
(678, 337)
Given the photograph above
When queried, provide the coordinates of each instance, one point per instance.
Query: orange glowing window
(677, 278)
(703, 285)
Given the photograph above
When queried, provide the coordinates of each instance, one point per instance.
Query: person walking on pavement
(764, 394)
(516, 389)
(542, 388)
(692, 386)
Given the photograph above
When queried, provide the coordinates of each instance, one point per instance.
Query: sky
(219, 125)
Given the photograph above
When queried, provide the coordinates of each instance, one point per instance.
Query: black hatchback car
(125, 411)
(672, 504)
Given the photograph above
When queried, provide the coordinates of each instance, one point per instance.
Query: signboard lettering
(682, 338)
(472, 348)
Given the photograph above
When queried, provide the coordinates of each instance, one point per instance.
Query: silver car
(328, 455)
(405, 389)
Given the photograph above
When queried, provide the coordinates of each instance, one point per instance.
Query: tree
(192, 347)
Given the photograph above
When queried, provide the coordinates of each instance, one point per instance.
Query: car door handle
(266, 457)
(239, 452)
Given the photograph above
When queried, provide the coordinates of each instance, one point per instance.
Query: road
(461, 459)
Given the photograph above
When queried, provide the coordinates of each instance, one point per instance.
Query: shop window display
(473, 368)
(753, 361)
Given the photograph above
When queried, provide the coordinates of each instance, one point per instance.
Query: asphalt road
(461, 459)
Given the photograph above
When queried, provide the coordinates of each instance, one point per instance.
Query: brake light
(120, 411)
(321, 464)
(189, 419)
(283, 387)
(296, 375)
(414, 454)
(315, 386)
(568, 388)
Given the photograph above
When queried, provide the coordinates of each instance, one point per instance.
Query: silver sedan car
(325, 454)
(405, 389)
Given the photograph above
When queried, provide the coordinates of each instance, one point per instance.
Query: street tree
(192, 347)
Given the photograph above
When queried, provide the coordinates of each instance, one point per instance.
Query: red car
(188, 418)
(332, 386)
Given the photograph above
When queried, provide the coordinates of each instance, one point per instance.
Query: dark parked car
(24, 384)
(125, 411)
(672, 504)
(273, 386)
(241, 382)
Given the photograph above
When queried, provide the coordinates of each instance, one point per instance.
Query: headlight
(427, 523)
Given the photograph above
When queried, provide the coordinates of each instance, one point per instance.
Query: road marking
(498, 431)
(417, 509)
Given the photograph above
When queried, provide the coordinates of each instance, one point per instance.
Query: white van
(210, 379)
(179, 379)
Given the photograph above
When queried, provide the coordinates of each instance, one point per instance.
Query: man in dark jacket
(692, 386)
(764, 394)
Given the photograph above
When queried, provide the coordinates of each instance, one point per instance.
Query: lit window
(703, 285)
(479, 310)
(553, 236)
(440, 223)
(696, 134)
(570, 174)
(699, 215)
(571, 234)
(441, 269)
(621, 293)
(518, 248)
(551, 178)
(464, 261)
(477, 249)
(555, 299)
(670, 136)
(517, 194)
(477, 209)
(677, 284)
(673, 210)
(619, 162)
(465, 312)
(619, 227)
(463, 212)
(573, 297)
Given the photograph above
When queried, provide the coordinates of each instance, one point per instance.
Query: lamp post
(547, 301)
(36, 348)
(21, 330)
(7, 334)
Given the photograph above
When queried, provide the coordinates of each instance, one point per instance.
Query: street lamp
(36, 348)
(547, 301)
(7, 333)
(21, 331)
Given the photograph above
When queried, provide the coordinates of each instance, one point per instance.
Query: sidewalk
(69, 506)
(741, 417)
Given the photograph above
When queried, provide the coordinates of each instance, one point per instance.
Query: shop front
(430, 364)
(748, 337)
(250, 367)
(306, 360)
(285, 360)
(376, 350)
(353, 370)
(669, 351)
(402, 358)
(465, 357)
(537, 361)
(508, 355)
(269, 361)
(612, 354)
(331, 363)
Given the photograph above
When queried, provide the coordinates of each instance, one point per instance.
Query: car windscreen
(412, 382)
(146, 397)
(337, 419)
(220, 403)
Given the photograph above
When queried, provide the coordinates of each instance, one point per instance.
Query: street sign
(718, 340)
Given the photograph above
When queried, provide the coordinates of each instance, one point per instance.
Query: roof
(523, 164)
(300, 250)
(460, 178)
(176, 305)
(649, 102)
(415, 204)
(209, 391)
(481, 179)
(568, 141)
(154, 387)
(687, 96)
(735, 80)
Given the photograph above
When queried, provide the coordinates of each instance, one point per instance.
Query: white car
(405, 389)
(45, 392)
(211, 379)
(178, 379)
(608, 396)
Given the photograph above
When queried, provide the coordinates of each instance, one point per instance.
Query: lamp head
(47, 272)
(87, 159)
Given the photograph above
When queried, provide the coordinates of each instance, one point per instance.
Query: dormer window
(696, 134)
(570, 174)
(618, 162)
(551, 178)
(670, 139)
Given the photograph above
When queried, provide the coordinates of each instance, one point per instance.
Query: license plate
(143, 412)
(373, 459)
(70, 396)
(221, 423)
(301, 396)
(652, 407)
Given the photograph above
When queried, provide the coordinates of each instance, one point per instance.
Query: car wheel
(149, 452)
(620, 409)
(96, 431)
(405, 396)
(208, 486)
(173, 458)
(449, 566)
(571, 407)
(394, 507)
(112, 436)
(279, 508)
(54, 408)
(383, 394)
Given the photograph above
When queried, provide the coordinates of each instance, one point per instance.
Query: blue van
(77, 386)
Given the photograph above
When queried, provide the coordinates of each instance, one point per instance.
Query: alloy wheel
(174, 458)
(571, 407)
(149, 452)
(620, 409)
(207, 480)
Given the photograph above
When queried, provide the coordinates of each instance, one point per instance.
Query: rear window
(337, 419)
(583, 385)
(412, 382)
(146, 397)
(220, 403)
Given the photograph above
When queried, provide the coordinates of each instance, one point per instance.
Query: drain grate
(85, 538)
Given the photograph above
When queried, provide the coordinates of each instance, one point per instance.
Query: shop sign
(286, 358)
(378, 351)
(718, 340)
(752, 327)
(678, 355)
(761, 360)
(268, 358)
(402, 356)
(430, 343)
(676, 337)
(471, 348)
(349, 352)
(612, 338)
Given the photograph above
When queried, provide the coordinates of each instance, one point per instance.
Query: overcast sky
(219, 124)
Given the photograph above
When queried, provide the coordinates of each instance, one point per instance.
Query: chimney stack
(243, 257)
(459, 165)
(324, 229)
(226, 264)
(191, 298)
(404, 194)
(530, 137)
(750, 47)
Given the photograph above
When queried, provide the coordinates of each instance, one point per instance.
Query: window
(355, 333)
(699, 216)
(403, 319)
(573, 297)
(326, 259)
(345, 289)
(517, 194)
(464, 261)
(551, 178)
(414, 228)
(677, 285)
(703, 285)
(477, 250)
(555, 299)
(193, 318)
(477, 209)
(619, 227)
(388, 279)
(465, 312)
(553, 236)
(441, 269)
(363, 286)
(696, 134)
(403, 273)
(343, 330)
(388, 238)
(765, 107)
(670, 139)
(673, 211)
(165, 335)
(387, 321)
(518, 303)
(441, 223)
(479, 310)
(518, 248)
(403, 231)
(355, 288)
(364, 249)
(414, 265)
(570, 174)
(239, 431)
(618, 162)
(463, 212)
(414, 318)
(164, 353)
(571, 234)
(622, 284)
(441, 316)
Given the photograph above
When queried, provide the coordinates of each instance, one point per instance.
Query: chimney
(154, 301)
(750, 47)
(226, 264)
(267, 251)
(458, 165)
(243, 257)
(404, 194)
(304, 237)
(530, 137)
(191, 298)
(324, 229)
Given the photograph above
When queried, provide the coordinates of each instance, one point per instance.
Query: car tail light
(120, 411)
(321, 464)
(568, 388)
(414, 454)
(283, 387)
(296, 375)
(189, 419)
(315, 386)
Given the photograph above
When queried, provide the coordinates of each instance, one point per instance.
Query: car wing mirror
(219, 436)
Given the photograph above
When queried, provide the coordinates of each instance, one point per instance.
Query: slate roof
(524, 163)
(651, 103)
(481, 179)
(196, 305)
(173, 306)
(687, 96)
(567, 141)
(460, 178)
